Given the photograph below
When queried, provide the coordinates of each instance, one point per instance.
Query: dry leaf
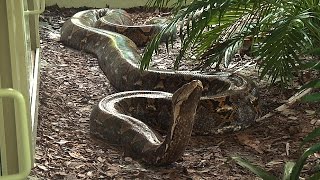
(101, 159)
(310, 112)
(61, 142)
(128, 159)
(287, 112)
(61, 173)
(112, 171)
(292, 117)
(317, 155)
(81, 175)
(80, 166)
(42, 167)
(48, 137)
(287, 148)
(76, 155)
(250, 141)
(89, 173)
(67, 163)
(274, 162)
(313, 121)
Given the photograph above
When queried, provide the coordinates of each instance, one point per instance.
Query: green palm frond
(255, 169)
(204, 23)
(287, 37)
(175, 5)
(311, 136)
(296, 170)
(316, 176)
(282, 31)
(227, 43)
(292, 170)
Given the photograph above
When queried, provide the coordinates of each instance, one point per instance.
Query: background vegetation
(283, 34)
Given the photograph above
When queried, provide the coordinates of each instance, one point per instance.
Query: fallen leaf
(112, 171)
(61, 173)
(274, 162)
(128, 159)
(317, 155)
(48, 137)
(100, 159)
(80, 166)
(287, 148)
(61, 142)
(81, 175)
(310, 112)
(292, 117)
(250, 141)
(76, 155)
(42, 167)
(67, 163)
(89, 173)
(287, 112)
(313, 121)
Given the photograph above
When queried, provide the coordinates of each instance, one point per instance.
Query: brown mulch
(71, 83)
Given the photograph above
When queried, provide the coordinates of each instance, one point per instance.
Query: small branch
(286, 105)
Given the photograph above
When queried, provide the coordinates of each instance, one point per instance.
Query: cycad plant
(281, 32)
(292, 170)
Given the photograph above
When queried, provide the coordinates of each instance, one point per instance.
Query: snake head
(186, 98)
(184, 102)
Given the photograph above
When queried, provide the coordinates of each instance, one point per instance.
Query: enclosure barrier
(23, 139)
(99, 3)
(19, 84)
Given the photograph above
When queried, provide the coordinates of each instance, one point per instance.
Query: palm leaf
(315, 97)
(315, 176)
(176, 5)
(296, 170)
(281, 48)
(282, 31)
(255, 169)
(288, 170)
(314, 134)
(198, 16)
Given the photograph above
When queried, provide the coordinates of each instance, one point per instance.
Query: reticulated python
(228, 102)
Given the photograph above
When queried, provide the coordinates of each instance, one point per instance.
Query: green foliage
(315, 97)
(314, 134)
(296, 170)
(282, 31)
(316, 176)
(288, 170)
(315, 65)
(292, 170)
(255, 169)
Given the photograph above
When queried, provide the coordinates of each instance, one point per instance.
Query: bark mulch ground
(71, 83)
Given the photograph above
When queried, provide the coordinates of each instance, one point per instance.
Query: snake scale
(128, 119)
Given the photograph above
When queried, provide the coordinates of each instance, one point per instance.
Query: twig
(286, 105)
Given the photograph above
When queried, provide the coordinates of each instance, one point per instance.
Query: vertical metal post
(22, 127)
(9, 152)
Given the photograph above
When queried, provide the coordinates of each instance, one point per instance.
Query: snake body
(117, 20)
(113, 116)
(229, 101)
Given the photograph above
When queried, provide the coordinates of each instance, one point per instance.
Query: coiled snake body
(228, 102)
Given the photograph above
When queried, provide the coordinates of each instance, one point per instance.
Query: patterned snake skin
(228, 102)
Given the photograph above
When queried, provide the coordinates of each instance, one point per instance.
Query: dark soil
(71, 83)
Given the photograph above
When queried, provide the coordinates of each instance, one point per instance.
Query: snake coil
(228, 102)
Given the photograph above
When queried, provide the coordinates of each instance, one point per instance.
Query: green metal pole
(22, 129)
